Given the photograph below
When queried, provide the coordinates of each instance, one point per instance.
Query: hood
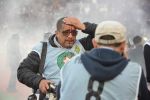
(51, 40)
(103, 64)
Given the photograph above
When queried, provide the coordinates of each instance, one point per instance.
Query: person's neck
(106, 47)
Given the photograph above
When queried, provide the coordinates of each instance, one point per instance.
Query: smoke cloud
(31, 18)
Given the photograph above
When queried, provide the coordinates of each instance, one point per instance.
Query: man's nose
(70, 35)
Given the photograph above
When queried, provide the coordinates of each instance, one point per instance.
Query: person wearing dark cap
(104, 73)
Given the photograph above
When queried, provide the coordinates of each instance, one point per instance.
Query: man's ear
(56, 32)
(122, 47)
(94, 43)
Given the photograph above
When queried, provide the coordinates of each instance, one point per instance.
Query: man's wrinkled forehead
(67, 27)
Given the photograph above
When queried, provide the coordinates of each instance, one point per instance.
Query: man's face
(67, 36)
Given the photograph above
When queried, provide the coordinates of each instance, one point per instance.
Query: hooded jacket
(102, 74)
(103, 65)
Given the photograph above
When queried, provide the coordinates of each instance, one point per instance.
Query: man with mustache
(61, 47)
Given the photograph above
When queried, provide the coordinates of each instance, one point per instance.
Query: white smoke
(31, 18)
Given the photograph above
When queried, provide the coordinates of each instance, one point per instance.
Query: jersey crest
(63, 58)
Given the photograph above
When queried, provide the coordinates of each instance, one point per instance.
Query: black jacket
(147, 60)
(29, 67)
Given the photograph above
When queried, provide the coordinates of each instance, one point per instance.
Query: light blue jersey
(55, 59)
(97, 80)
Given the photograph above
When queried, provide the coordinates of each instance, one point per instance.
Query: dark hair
(137, 39)
(60, 23)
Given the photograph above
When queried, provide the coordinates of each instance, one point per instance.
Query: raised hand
(75, 22)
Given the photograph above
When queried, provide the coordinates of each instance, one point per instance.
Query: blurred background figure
(147, 60)
(136, 51)
(13, 57)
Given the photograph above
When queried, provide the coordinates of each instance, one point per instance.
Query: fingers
(43, 86)
(71, 20)
(74, 22)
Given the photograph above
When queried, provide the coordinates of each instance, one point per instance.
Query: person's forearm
(27, 71)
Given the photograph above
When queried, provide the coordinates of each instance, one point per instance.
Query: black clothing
(147, 60)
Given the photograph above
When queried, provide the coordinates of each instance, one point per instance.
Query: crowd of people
(95, 67)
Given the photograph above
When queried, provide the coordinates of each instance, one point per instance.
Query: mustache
(70, 40)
